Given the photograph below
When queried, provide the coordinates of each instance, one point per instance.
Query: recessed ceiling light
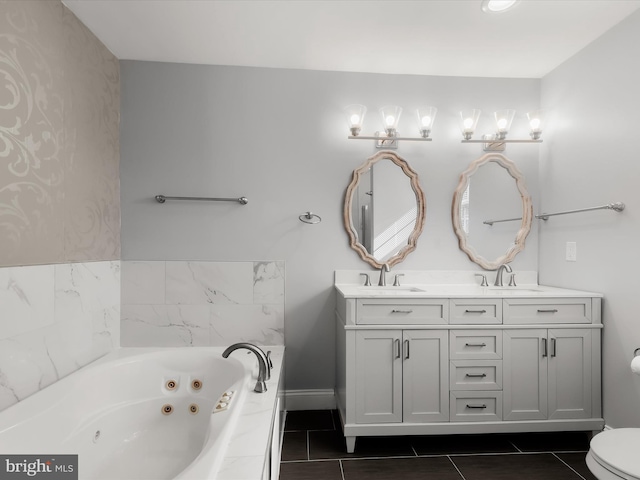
(498, 6)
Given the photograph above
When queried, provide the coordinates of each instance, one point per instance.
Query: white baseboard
(310, 399)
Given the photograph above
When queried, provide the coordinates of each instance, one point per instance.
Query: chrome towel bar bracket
(241, 200)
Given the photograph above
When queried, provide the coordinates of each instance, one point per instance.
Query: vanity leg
(351, 444)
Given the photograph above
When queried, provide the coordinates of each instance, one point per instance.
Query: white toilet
(615, 454)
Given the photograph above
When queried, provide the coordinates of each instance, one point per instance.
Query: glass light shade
(503, 122)
(498, 6)
(469, 122)
(390, 118)
(355, 116)
(536, 123)
(426, 116)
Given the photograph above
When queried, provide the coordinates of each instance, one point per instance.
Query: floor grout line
(456, 467)
(569, 466)
(341, 469)
(514, 446)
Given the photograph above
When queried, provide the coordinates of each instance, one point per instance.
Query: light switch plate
(572, 252)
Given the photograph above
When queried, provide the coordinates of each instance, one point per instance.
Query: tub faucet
(501, 269)
(264, 372)
(383, 275)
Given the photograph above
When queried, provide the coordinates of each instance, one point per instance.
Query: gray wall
(278, 137)
(591, 159)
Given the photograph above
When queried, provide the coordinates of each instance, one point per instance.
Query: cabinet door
(569, 373)
(425, 376)
(525, 355)
(378, 382)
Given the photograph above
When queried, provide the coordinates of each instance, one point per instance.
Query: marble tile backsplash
(54, 319)
(182, 303)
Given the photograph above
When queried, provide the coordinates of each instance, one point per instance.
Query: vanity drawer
(475, 311)
(557, 310)
(373, 311)
(475, 406)
(475, 375)
(475, 344)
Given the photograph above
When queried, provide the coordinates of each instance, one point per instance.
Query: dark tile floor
(314, 448)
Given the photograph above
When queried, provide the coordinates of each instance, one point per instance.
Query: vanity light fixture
(390, 118)
(496, 142)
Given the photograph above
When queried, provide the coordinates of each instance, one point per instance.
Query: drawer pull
(397, 343)
(401, 311)
(552, 310)
(475, 344)
(476, 375)
(475, 311)
(476, 406)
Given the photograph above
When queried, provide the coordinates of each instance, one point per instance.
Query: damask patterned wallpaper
(59, 138)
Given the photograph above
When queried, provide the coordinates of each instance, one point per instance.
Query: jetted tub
(142, 413)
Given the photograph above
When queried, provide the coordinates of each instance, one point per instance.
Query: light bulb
(390, 120)
(535, 123)
(355, 119)
(502, 123)
(468, 123)
(426, 121)
(498, 6)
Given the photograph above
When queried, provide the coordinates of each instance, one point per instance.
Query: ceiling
(419, 37)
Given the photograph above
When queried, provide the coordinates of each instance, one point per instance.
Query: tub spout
(264, 372)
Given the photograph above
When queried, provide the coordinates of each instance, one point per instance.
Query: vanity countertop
(458, 291)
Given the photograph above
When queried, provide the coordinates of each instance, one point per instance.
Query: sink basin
(512, 289)
(390, 290)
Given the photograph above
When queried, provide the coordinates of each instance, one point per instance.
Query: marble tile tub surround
(193, 303)
(54, 319)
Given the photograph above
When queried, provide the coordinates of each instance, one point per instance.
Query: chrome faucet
(264, 369)
(383, 276)
(501, 269)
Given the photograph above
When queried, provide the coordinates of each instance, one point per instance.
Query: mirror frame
(420, 203)
(527, 211)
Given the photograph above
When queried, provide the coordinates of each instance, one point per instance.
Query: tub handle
(269, 362)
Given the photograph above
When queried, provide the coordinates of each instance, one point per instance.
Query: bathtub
(140, 413)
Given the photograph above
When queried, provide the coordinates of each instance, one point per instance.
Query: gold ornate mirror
(492, 211)
(384, 209)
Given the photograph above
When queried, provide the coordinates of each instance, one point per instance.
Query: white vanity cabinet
(548, 374)
(401, 376)
(447, 364)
